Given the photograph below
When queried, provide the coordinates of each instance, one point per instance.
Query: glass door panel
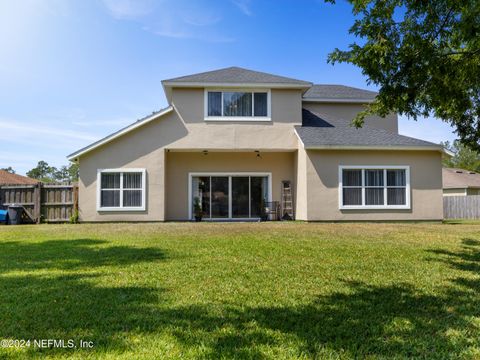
(219, 197)
(201, 190)
(240, 197)
(258, 194)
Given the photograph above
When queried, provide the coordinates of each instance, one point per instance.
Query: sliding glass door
(230, 196)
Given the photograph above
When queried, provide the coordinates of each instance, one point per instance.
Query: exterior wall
(456, 192)
(141, 148)
(425, 183)
(180, 164)
(277, 134)
(301, 188)
(348, 111)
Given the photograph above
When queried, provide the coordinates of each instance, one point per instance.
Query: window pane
(374, 177)
(214, 104)
(237, 104)
(240, 199)
(220, 202)
(396, 178)
(132, 198)
(260, 104)
(132, 180)
(396, 196)
(352, 178)
(352, 196)
(110, 181)
(258, 194)
(374, 196)
(110, 198)
(201, 190)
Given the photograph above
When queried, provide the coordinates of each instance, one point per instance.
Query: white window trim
(230, 175)
(121, 207)
(238, 118)
(373, 207)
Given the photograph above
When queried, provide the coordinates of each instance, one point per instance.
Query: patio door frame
(191, 175)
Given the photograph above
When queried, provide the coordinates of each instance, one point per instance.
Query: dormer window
(233, 105)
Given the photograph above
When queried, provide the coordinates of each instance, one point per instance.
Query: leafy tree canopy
(47, 173)
(9, 170)
(425, 58)
(464, 158)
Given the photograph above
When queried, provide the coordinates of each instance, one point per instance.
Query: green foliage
(424, 56)
(74, 217)
(271, 290)
(197, 207)
(46, 173)
(9, 170)
(464, 158)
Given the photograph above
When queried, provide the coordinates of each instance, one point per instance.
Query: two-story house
(234, 140)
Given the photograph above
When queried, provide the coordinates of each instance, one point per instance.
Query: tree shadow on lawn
(379, 321)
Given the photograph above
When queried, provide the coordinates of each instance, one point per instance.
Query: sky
(72, 72)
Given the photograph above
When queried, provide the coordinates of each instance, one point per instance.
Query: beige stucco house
(235, 140)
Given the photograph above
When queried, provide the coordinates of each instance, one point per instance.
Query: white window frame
(238, 118)
(191, 175)
(121, 207)
(374, 167)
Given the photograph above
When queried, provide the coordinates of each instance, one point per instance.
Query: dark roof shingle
(236, 75)
(338, 92)
(320, 130)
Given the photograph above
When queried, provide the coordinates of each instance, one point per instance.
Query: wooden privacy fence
(461, 207)
(42, 203)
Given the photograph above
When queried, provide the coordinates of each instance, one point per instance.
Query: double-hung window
(237, 105)
(121, 190)
(374, 187)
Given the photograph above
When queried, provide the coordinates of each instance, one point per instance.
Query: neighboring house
(460, 182)
(7, 178)
(231, 138)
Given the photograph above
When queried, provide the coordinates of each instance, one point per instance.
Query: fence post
(37, 194)
(75, 199)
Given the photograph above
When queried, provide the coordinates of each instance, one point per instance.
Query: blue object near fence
(3, 216)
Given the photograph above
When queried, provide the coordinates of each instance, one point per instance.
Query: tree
(67, 173)
(43, 172)
(464, 158)
(9, 170)
(425, 58)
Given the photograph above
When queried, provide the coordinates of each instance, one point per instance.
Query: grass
(262, 290)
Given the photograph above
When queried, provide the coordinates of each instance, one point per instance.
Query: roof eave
(374, 147)
(73, 156)
(167, 84)
(344, 101)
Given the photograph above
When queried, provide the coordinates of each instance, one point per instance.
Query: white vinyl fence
(461, 207)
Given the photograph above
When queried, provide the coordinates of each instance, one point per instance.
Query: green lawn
(261, 290)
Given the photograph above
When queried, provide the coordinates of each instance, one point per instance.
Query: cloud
(15, 129)
(129, 9)
(244, 6)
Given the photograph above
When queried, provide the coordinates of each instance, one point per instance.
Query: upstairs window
(237, 105)
(374, 187)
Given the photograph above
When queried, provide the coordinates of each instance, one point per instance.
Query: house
(7, 178)
(460, 182)
(234, 139)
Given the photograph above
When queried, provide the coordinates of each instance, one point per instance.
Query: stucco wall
(179, 164)
(141, 148)
(348, 112)
(425, 182)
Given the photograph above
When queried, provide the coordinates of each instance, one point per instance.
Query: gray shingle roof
(236, 75)
(336, 92)
(460, 178)
(319, 130)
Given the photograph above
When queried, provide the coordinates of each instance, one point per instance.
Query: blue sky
(74, 71)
